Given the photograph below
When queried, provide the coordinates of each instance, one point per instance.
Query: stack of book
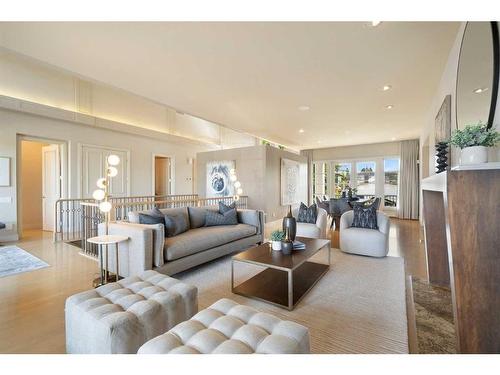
(297, 245)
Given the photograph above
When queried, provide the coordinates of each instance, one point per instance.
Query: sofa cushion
(200, 239)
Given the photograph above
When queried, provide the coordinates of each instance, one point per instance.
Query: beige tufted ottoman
(229, 328)
(120, 317)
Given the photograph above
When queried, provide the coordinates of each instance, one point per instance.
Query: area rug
(434, 318)
(14, 260)
(357, 307)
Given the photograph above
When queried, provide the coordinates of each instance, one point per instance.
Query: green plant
(475, 135)
(277, 235)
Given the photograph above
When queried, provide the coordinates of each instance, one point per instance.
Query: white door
(93, 167)
(51, 184)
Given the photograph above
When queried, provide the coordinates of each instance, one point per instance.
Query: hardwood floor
(32, 303)
(32, 307)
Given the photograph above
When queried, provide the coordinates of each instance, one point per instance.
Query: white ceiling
(253, 76)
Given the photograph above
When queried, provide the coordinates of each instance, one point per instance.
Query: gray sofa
(147, 247)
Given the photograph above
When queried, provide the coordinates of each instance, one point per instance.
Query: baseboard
(9, 237)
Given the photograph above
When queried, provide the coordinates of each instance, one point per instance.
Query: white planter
(474, 155)
(276, 245)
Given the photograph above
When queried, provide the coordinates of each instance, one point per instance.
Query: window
(365, 178)
(342, 177)
(391, 180)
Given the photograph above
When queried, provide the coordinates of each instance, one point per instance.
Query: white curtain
(409, 180)
(309, 155)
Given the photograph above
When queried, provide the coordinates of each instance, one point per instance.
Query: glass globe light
(98, 194)
(105, 206)
(113, 160)
(236, 198)
(233, 178)
(237, 184)
(239, 191)
(232, 171)
(112, 171)
(101, 183)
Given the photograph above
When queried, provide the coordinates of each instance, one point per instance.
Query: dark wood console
(461, 215)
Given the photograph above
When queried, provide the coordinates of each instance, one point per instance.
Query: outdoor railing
(78, 219)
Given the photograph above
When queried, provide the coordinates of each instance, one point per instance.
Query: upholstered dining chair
(337, 207)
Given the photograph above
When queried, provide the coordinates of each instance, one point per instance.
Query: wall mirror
(477, 76)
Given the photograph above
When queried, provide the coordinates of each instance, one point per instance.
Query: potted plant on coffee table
(276, 237)
(473, 141)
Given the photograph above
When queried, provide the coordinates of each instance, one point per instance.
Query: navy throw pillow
(223, 208)
(214, 218)
(364, 217)
(307, 214)
(175, 224)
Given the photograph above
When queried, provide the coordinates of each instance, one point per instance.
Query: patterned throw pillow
(175, 224)
(307, 214)
(364, 217)
(223, 208)
(214, 218)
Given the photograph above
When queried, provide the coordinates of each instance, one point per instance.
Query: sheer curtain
(409, 180)
(309, 155)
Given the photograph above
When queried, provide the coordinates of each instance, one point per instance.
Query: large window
(342, 177)
(391, 180)
(365, 178)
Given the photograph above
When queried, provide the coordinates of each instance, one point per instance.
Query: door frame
(79, 159)
(171, 172)
(64, 170)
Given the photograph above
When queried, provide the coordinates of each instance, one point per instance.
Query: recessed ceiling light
(479, 90)
(301, 130)
(319, 141)
(376, 23)
(390, 106)
(393, 138)
(304, 108)
(386, 87)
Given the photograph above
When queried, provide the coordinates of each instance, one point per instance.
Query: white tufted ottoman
(120, 317)
(229, 328)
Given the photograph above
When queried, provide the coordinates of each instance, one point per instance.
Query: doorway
(40, 183)
(162, 176)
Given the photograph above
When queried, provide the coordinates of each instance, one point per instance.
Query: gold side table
(102, 243)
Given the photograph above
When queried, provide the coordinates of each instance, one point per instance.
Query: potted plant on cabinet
(473, 141)
(276, 237)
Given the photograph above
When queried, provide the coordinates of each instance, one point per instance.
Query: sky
(389, 165)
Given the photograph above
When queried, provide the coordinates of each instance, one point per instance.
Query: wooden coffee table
(286, 278)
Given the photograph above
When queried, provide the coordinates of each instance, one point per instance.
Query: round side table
(103, 242)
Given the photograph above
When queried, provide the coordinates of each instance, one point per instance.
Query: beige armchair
(361, 241)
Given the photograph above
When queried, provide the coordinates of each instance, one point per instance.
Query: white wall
(30, 80)
(357, 151)
(13, 123)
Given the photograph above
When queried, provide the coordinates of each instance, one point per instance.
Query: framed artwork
(443, 121)
(442, 130)
(293, 182)
(218, 182)
(4, 171)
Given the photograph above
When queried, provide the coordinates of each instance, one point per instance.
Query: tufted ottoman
(120, 317)
(229, 328)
